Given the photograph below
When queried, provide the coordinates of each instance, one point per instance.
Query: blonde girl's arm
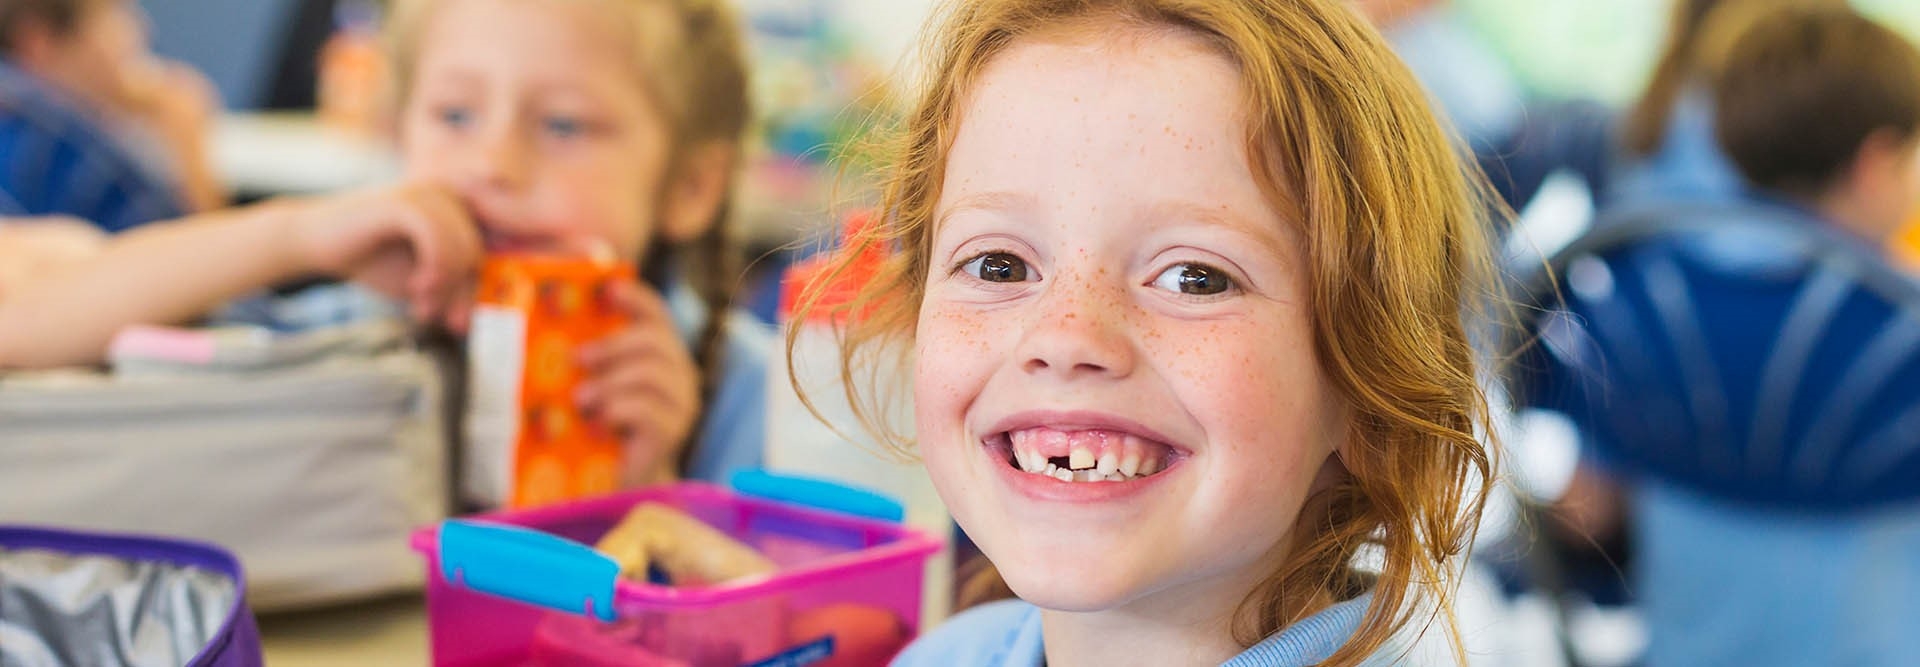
(173, 272)
(33, 246)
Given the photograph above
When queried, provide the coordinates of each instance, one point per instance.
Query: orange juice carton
(527, 443)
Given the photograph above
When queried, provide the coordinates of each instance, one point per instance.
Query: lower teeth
(1082, 475)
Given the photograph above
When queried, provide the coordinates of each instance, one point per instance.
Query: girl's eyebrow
(1268, 234)
(993, 201)
(454, 77)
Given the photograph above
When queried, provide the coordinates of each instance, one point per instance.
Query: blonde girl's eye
(997, 267)
(454, 116)
(1194, 280)
(563, 127)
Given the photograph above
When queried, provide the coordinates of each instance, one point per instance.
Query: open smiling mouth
(1091, 455)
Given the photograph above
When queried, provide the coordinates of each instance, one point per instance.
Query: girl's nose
(498, 162)
(1079, 331)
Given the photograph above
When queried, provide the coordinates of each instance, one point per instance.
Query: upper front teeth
(1030, 462)
(1090, 456)
(1080, 458)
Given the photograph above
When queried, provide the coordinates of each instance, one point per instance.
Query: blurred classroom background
(821, 68)
(295, 78)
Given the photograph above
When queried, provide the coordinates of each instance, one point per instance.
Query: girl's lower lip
(1048, 489)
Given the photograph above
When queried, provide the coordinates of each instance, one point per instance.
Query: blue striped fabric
(56, 160)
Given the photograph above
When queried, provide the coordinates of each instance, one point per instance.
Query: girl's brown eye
(1194, 279)
(997, 267)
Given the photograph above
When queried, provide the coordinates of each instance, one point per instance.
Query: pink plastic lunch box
(521, 587)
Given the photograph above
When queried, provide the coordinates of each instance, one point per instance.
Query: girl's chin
(1079, 586)
(1070, 596)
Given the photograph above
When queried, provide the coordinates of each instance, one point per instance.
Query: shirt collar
(1305, 643)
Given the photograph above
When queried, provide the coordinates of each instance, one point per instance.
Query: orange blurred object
(1906, 246)
(353, 72)
(862, 635)
(534, 313)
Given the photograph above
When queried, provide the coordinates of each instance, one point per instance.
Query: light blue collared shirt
(1007, 634)
(733, 434)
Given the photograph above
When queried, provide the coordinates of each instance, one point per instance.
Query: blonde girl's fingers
(636, 382)
(459, 315)
(646, 449)
(634, 373)
(445, 246)
(464, 239)
(641, 429)
(446, 241)
(644, 339)
(639, 301)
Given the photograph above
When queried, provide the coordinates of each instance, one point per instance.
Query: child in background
(1668, 154)
(615, 123)
(547, 126)
(1187, 285)
(92, 124)
(1819, 107)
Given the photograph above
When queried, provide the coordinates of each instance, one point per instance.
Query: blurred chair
(1756, 376)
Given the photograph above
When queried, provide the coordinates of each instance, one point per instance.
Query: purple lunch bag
(99, 599)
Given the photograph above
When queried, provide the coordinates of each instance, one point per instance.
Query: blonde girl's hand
(643, 384)
(414, 242)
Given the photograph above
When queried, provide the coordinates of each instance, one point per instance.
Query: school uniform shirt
(733, 434)
(9, 207)
(1688, 167)
(1804, 588)
(57, 159)
(1733, 585)
(1007, 634)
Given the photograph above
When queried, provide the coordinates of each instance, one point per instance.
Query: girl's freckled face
(1083, 261)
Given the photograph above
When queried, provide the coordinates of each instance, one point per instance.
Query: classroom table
(387, 631)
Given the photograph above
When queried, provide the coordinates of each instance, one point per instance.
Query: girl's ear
(1332, 472)
(695, 194)
(1877, 187)
(1340, 462)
